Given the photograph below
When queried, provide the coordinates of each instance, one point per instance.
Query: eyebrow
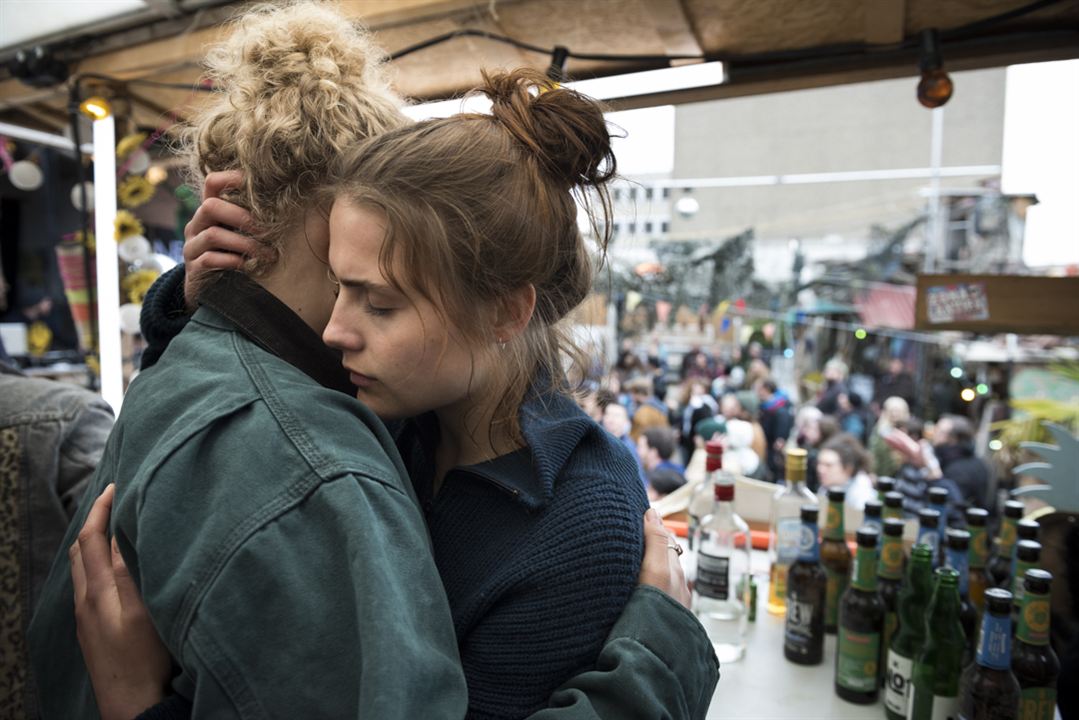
(364, 285)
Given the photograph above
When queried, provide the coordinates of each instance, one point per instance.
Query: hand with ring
(662, 568)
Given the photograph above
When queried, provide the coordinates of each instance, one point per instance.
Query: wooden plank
(673, 27)
(998, 304)
(885, 21)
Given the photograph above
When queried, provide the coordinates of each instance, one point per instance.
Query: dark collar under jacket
(270, 324)
(552, 425)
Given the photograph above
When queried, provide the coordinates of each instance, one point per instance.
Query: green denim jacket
(284, 560)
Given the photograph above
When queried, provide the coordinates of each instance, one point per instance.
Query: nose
(340, 333)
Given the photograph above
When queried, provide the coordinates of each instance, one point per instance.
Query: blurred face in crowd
(895, 366)
(616, 420)
(830, 469)
(648, 454)
(730, 407)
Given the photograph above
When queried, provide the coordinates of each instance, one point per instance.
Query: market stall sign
(998, 303)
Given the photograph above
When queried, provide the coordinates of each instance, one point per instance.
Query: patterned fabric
(13, 661)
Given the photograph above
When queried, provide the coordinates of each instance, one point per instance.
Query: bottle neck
(1019, 571)
(808, 546)
(944, 611)
(978, 550)
(864, 575)
(833, 525)
(957, 559)
(1033, 619)
(995, 642)
(891, 558)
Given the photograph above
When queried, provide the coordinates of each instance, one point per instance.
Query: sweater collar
(270, 324)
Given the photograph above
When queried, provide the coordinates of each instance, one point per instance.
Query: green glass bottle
(1027, 555)
(907, 643)
(1000, 564)
(835, 557)
(861, 623)
(807, 583)
(978, 556)
(956, 556)
(890, 581)
(935, 681)
(1034, 663)
(893, 505)
(989, 689)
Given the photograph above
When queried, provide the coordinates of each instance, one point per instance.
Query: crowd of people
(664, 415)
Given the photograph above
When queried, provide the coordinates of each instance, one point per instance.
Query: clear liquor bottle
(723, 557)
(785, 527)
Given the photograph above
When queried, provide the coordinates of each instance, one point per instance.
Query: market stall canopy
(150, 52)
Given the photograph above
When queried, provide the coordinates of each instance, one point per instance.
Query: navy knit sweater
(538, 550)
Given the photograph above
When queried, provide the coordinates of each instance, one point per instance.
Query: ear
(515, 312)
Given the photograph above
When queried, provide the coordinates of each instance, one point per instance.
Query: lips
(360, 380)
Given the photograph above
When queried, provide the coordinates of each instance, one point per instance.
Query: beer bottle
(1000, 565)
(956, 556)
(861, 622)
(935, 682)
(978, 556)
(889, 581)
(835, 557)
(907, 643)
(803, 633)
(988, 689)
(785, 528)
(1027, 555)
(885, 485)
(938, 500)
(929, 532)
(893, 505)
(872, 516)
(1034, 663)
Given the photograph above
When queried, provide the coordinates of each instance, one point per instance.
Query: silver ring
(672, 545)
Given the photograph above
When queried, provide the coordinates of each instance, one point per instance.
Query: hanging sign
(955, 303)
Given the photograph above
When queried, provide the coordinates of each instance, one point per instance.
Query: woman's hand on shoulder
(662, 564)
(215, 237)
(128, 664)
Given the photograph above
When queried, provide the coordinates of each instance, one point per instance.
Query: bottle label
(995, 642)
(891, 559)
(897, 682)
(777, 588)
(833, 526)
(788, 534)
(1034, 620)
(837, 583)
(856, 667)
(1008, 533)
(864, 576)
(957, 560)
(978, 550)
(1038, 703)
(798, 630)
(808, 548)
(944, 707)
(929, 536)
(713, 576)
(1018, 574)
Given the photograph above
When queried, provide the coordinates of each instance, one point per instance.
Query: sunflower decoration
(129, 144)
(127, 225)
(137, 283)
(38, 338)
(134, 191)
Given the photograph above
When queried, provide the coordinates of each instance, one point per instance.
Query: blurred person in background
(812, 428)
(835, 384)
(885, 460)
(777, 419)
(894, 382)
(843, 463)
(697, 404)
(646, 410)
(953, 443)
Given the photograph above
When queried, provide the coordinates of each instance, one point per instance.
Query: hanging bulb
(935, 87)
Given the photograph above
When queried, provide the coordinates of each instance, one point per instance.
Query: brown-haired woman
(449, 300)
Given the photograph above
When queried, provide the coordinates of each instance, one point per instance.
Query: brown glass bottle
(988, 689)
(1034, 663)
(890, 581)
(978, 556)
(893, 505)
(1027, 555)
(861, 622)
(807, 583)
(1000, 564)
(835, 557)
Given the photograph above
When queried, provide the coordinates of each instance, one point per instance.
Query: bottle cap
(796, 459)
(1027, 530)
(958, 539)
(1037, 581)
(922, 553)
(810, 513)
(724, 492)
(978, 517)
(893, 527)
(1013, 509)
(947, 576)
(872, 508)
(893, 499)
(1028, 550)
(714, 455)
(885, 485)
(928, 517)
(938, 495)
(867, 536)
(837, 495)
(998, 602)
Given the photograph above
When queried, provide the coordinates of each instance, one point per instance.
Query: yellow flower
(127, 225)
(91, 243)
(134, 191)
(93, 364)
(136, 284)
(129, 143)
(38, 338)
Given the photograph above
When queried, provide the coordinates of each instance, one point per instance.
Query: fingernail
(115, 547)
(652, 516)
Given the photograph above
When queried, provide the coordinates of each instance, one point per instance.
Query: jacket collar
(270, 324)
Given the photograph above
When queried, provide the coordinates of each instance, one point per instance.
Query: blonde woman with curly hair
(264, 512)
